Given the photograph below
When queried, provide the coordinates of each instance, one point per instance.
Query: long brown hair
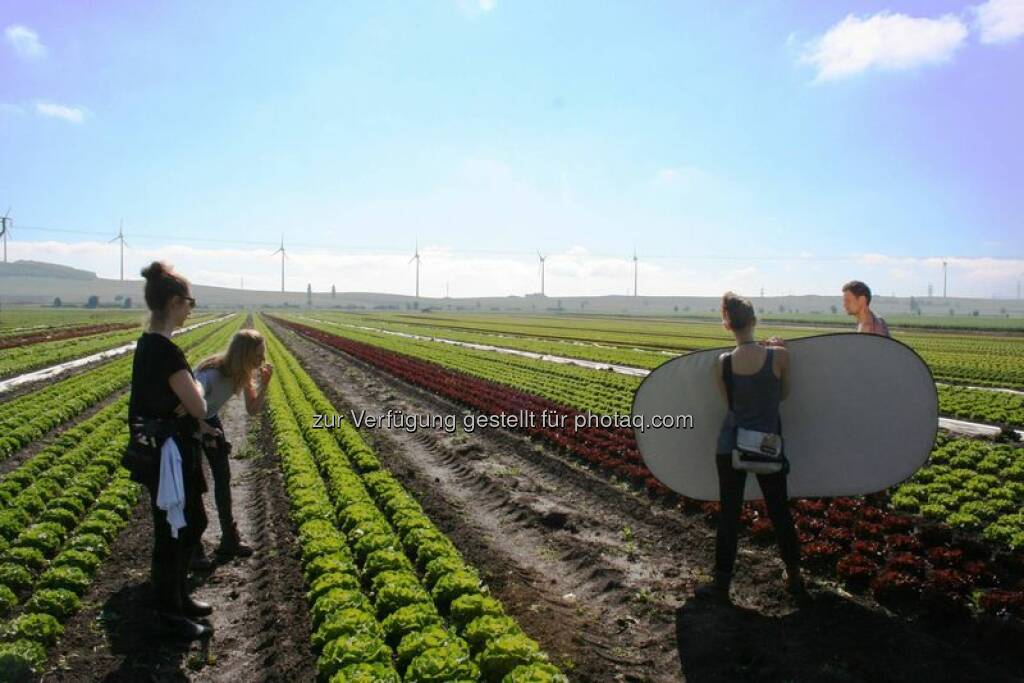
(239, 361)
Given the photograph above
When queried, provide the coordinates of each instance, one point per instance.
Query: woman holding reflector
(754, 379)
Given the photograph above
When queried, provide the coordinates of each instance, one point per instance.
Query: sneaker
(195, 608)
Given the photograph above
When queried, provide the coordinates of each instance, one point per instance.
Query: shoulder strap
(727, 378)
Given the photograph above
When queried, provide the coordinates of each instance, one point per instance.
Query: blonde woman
(240, 369)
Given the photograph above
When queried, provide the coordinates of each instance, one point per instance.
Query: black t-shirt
(156, 359)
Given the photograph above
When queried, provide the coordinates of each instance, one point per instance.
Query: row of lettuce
(62, 509)
(26, 358)
(26, 325)
(52, 334)
(391, 598)
(18, 322)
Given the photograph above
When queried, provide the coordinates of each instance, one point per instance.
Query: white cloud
(25, 42)
(475, 7)
(883, 41)
(999, 21)
(61, 111)
(982, 274)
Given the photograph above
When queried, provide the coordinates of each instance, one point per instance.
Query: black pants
(731, 483)
(171, 555)
(217, 454)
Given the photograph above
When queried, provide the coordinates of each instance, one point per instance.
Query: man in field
(857, 302)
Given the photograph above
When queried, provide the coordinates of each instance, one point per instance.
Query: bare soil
(601, 575)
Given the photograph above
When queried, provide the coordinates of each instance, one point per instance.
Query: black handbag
(141, 456)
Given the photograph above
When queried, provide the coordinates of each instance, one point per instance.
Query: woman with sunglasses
(164, 410)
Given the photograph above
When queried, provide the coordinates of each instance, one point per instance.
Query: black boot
(796, 587)
(198, 561)
(189, 606)
(231, 544)
(169, 606)
(717, 589)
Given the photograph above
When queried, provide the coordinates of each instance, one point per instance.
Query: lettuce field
(508, 555)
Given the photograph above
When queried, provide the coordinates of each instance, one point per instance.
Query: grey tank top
(216, 389)
(755, 398)
(755, 404)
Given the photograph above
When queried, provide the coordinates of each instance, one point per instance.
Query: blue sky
(785, 145)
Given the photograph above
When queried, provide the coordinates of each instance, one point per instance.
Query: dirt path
(600, 575)
(260, 619)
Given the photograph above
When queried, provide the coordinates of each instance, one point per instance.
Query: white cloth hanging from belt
(170, 493)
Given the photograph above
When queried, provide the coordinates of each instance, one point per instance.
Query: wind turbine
(120, 236)
(283, 257)
(5, 227)
(541, 257)
(6, 222)
(944, 277)
(416, 258)
(634, 270)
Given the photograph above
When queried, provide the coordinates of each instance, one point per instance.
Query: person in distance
(164, 407)
(760, 381)
(242, 368)
(857, 302)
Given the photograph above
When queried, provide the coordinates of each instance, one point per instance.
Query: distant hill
(40, 269)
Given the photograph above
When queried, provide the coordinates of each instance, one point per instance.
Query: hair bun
(153, 270)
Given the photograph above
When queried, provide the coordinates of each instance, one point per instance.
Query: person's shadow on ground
(833, 639)
(134, 632)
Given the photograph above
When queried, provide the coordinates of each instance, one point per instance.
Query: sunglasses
(191, 302)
